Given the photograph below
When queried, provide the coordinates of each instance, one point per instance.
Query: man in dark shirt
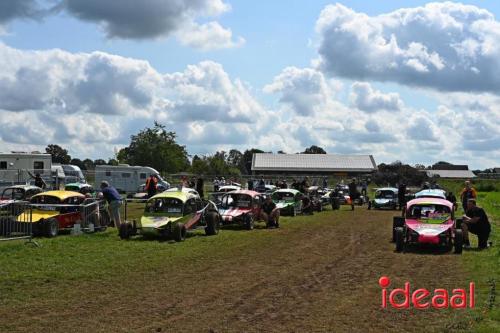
(114, 200)
(353, 192)
(200, 187)
(476, 221)
(402, 195)
(307, 207)
(270, 213)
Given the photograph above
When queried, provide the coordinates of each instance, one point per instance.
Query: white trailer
(126, 178)
(73, 174)
(15, 167)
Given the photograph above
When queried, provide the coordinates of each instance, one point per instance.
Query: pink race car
(241, 207)
(428, 221)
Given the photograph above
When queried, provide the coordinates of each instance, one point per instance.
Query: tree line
(158, 148)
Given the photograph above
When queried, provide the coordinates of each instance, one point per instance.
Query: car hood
(234, 212)
(284, 204)
(37, 215)
(157, 221)
(428, 229)
(383, 201)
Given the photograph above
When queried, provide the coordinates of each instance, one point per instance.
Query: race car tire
(335, 204)
(369, 205)
(179, 232)
(459, 241)
(397, 221)
(50, 228)
(213, 222)
(249, 222)
(124, 231)
(399, 239)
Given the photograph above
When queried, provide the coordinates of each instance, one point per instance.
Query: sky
(419, 83)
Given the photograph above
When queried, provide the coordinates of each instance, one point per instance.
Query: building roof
(313, 162)
(451, 173)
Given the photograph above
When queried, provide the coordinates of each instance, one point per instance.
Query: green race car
(288, 201)
(171, 215)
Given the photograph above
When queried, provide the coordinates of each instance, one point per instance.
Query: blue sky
(262, 74)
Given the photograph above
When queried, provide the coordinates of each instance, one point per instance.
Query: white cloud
(305, 90)
(87, 98)
(365, 98)
(445, 46)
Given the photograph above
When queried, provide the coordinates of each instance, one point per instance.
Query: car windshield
(164, 206)
(13, 194)
(384, 194)
(282, 196)
(236, 201)
(430, 213)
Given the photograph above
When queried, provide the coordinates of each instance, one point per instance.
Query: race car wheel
(335, 204)
(249, 222)
(369, 205)
(397, 221)
(459, 241)
(179, 232)
(399, 239)
(124, 231)
(212, 227)
(51, 228)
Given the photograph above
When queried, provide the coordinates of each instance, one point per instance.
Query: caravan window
(143, 176)
(126, 175)
(38, 165)
(3, 165)
(108, 173)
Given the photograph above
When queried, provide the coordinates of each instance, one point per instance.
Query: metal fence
(15, 221)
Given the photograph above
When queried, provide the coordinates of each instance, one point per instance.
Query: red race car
(241, 207)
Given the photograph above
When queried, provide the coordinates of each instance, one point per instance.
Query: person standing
(353, 192)
(452, 198)
(467, 193)
(476, 221)
(150, 187)
(114, 201)
(402, 195)
(199, 186)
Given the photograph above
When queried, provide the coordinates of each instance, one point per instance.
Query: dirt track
(320, 276)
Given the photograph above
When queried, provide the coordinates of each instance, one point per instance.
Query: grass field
(315, 274)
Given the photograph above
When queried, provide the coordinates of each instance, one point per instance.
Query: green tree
(78, 162)
(88, 164)
(234, 158)
(100, 162)
(314, 150)
(59, 155)
(246, 161)
(157, 148)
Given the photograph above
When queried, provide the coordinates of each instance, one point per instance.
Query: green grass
(485, 269)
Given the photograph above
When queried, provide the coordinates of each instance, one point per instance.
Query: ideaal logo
(423, 299)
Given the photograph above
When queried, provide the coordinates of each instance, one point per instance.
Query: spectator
(250, 184)
(307, 207)
(262, 183)
(199, 187)
(325, 182)
(114, 201)
(151, 185)
(270, 213)
(364, 187)
(39, 182)
(452, 198)
(353, 192)
(467, 193)
(216, 184)
(476, 221)
(402, 195)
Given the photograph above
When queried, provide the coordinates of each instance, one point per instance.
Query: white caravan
(16, 167)
(126, 178)
(73, 174)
